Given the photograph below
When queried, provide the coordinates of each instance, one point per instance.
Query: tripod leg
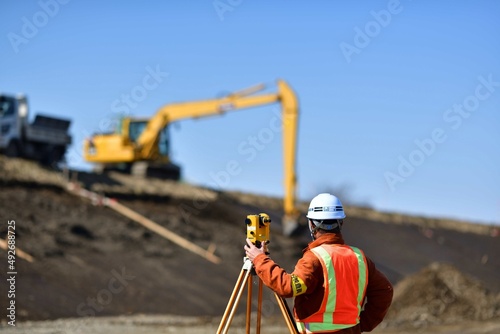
(287, 314)
(233, 302)
(259, 307)
(249, 305)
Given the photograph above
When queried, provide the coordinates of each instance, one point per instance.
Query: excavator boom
(179, 111)
(290, 112)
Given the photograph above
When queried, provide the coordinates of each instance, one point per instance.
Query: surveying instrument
(258, 233)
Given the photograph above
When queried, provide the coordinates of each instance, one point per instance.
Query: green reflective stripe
(332, 283)
(362, 276)
(300, 326)
(318, 326)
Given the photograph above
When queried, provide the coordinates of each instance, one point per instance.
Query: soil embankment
(92, 262)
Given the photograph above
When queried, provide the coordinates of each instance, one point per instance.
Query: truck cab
(11, 114)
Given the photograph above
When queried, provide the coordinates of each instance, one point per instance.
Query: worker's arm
(301, 281)
(378, 298)
(273, 275)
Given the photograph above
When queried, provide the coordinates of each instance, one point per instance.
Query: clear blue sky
(399, 100)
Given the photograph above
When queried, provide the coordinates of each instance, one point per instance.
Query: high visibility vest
(345, 276)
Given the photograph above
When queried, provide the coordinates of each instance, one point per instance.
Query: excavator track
(156, 170)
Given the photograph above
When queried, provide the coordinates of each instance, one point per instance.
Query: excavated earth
(96, 271)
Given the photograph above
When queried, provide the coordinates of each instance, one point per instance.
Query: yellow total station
(258, 228)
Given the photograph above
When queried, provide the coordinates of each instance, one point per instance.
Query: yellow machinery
(141, 146)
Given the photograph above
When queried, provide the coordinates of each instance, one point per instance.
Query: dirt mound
(440, 294)
(29, 173)
(123, 185)
(81, 250)
(91, 261)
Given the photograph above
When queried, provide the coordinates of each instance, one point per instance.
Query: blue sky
(399, 99)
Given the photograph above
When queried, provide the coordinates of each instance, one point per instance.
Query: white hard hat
(325, 207)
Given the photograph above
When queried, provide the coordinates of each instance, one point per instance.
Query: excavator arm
(290, 112)
(174, 112)
(146, 143)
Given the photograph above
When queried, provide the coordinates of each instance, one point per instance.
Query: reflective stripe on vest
(345, 278)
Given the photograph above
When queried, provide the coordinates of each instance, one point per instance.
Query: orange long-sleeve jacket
(308, 277)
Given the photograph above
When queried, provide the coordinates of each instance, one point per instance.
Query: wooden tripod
(246, 278)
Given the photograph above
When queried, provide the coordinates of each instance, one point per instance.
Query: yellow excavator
(140, 146)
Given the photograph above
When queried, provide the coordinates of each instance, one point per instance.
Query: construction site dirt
(96, 271)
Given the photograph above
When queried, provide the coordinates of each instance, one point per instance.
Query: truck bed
(50, 130)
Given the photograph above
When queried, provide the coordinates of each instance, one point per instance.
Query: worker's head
(325, 214)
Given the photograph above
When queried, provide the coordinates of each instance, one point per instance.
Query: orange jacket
(306, 285)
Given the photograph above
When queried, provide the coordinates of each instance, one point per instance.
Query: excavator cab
(160, 166)
(137, 126)
(114, 149)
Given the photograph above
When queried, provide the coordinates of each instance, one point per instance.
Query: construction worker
(337, 289)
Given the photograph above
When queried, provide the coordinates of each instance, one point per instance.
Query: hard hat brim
(326, 215)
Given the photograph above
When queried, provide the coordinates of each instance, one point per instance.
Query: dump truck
(44, 140)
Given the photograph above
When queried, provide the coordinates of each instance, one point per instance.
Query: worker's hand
(252, 251)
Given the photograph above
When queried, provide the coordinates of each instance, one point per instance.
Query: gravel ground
(162, 324)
